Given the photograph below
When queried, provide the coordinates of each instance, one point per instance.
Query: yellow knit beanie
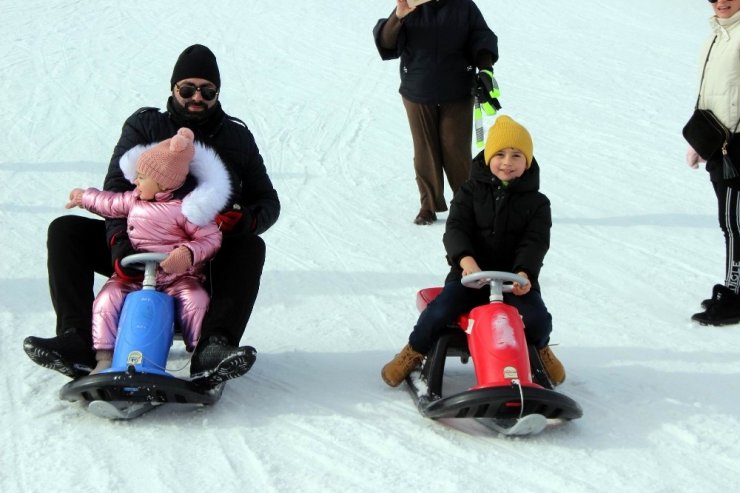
(504, 133)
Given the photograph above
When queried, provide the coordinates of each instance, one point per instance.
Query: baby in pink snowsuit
(159, 222)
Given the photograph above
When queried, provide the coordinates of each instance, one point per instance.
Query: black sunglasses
(712, 1)
(208, 93)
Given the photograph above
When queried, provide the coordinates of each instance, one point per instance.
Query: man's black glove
(120, 247)
(487, 91)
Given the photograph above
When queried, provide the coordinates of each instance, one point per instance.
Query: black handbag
(706, 134)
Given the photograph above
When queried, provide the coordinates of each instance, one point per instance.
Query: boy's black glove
(120, 247)
(487, 91)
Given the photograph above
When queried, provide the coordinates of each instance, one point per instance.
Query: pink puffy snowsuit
(161, 226)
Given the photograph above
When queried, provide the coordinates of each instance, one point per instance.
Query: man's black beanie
(196, 62)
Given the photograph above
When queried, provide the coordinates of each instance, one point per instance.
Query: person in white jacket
(719, 91)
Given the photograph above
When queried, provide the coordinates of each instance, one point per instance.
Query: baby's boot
(104, 359)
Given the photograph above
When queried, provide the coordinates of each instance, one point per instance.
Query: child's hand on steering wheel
(518, 289)
(469, 265)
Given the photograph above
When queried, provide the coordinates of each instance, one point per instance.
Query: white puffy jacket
(720, 90)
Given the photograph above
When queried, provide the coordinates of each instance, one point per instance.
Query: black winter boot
(705, 304)
(723, 308)
(69, 353)
(216, 361)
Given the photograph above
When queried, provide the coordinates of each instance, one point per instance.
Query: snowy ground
(603, 87)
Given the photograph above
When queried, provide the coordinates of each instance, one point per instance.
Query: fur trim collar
(210, 195)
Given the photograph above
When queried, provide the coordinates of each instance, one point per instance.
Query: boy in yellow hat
(500, 221)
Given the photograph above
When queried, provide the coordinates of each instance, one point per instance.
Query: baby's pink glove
(693, 158)
(75, 198)
(178, 261)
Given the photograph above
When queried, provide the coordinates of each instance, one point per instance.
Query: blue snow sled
(137, 380)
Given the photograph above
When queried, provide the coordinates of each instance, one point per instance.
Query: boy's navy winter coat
(504, 228)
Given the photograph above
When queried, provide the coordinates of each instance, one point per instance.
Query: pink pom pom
(182, 139)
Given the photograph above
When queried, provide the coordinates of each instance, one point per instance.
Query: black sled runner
(138, 381)
(513, 395)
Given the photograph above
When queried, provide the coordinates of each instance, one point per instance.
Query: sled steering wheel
(147, 262)
(496, 280)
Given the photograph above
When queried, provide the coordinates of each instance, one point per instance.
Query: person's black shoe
(425, 217)
(724, 308)
(216, 361)
(69, 353)
(705, 304)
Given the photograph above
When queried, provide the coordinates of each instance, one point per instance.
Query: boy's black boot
(69, 354)
(216, 361)
(723, 308)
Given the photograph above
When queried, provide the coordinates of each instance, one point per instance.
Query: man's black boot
(69, 354)
(216, 361)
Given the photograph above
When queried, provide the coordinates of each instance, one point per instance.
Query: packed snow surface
(604, 89)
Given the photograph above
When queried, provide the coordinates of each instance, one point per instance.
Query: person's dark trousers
(442, 135)
(537, 320)
(455, 299)
(728, 201)
(233, 281)
(76, 250)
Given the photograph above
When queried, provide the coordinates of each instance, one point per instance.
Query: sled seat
(426, 295)
(454, 342)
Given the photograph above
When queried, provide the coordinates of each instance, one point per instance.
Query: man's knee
(255, 245)
(61, 229)
(244, 249)
(66, 229)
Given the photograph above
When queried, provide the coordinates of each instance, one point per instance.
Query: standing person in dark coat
(499, 220)
(440, 44)
(79, 247)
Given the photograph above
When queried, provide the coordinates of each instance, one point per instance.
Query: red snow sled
(513, 394)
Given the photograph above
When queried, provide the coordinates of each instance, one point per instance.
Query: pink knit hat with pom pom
(168, 162)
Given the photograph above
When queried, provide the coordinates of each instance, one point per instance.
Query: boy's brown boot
(399, 367)
(553, 367)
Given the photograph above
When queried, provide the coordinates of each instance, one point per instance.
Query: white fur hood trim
(210, 195)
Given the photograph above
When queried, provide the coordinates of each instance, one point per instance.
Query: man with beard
(79, 246)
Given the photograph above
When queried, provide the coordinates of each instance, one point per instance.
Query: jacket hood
(529, 181)
(213, 185)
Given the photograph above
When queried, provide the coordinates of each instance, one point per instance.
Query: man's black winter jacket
(252, 191)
